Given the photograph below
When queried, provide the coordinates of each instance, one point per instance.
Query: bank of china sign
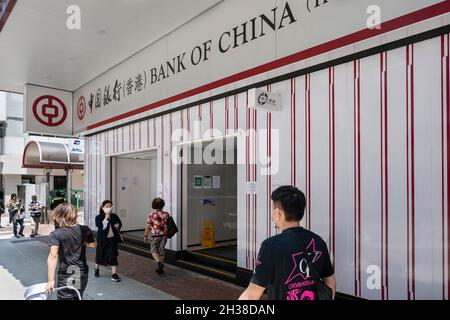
(227, 44)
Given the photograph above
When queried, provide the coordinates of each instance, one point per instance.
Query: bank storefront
(352, 112)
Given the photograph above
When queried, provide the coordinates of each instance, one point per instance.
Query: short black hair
(158, 204)
(291, 200)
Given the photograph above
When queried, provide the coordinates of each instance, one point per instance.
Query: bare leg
(156, 257)
(114, 269)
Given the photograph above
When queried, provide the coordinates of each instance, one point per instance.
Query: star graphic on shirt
(314, 251)
(298, 257)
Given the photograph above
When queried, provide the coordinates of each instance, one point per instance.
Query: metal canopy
(50, 155)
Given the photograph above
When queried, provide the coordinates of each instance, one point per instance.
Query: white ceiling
(37, 47)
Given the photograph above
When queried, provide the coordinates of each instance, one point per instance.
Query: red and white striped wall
(367, 141)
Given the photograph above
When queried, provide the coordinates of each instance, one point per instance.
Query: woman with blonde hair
(68, 244)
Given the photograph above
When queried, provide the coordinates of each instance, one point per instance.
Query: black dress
(107, 248)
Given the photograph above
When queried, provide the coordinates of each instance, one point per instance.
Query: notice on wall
(135, 181)
(207, 182)
(251, 187)
(198, 182)
(123, 183)
(216, 182)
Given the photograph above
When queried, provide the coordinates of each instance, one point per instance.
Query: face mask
(275, 222)
(107, 210)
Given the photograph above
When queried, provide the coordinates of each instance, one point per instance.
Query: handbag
(117, 234)
(172, 228)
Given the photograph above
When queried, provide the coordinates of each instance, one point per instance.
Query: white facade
(363, 140)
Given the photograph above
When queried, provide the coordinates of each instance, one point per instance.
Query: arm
(331, 282)
(118, 225)
(92, 244)
(147, 231)
(52, 262)
(253, 292)
(263, 274)
(90, 239)
(98, 222)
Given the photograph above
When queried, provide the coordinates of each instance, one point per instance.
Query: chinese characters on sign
(116, 91)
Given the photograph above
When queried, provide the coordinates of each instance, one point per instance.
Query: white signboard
(76, 146)
(263, 100)
(47, 111)
(232, 43)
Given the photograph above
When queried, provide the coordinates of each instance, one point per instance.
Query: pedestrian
(2, 208)
(68, 244)
(16, 215)
(58, 199)
(35, 208)
(295, 264)
(108, 238)
(157, 229)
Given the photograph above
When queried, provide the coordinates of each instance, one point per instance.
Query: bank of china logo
(263, 98)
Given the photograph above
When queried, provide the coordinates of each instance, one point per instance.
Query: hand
(50, 287)
(117, 226)
(145, 239)
(107, 216)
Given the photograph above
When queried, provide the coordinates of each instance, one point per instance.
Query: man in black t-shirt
(290, 264)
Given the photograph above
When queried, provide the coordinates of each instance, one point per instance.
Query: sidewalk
(23, 262)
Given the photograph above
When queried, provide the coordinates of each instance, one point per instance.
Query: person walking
(295, 264)
(108, 237)
(157, 229)
(35, 208)
(68, 244)
(2, 208)
(16, 215)
(57, 200)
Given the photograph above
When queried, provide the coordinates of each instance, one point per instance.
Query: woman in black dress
(108, 237)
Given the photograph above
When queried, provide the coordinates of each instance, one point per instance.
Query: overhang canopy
(50, 155)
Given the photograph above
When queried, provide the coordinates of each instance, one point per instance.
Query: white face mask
(107, 210)
(275, 222)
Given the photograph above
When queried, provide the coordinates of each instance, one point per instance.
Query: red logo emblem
(81, 108)
(50, 111)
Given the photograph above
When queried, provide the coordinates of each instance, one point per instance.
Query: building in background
(14, 178)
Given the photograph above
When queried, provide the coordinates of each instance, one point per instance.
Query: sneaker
(97, 273)
(115, 277)
(22, 235)
(17, 237)
(160, 270)
(32, 236)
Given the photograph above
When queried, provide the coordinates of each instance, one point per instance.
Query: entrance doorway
(209, 191)
(134, 185)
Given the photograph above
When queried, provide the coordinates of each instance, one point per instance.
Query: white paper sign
(207, 182)
(216, 182)
(252, 188)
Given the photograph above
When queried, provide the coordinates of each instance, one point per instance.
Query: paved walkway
(23, 262)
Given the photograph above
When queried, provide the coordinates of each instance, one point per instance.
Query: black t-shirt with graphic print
(285, 261)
